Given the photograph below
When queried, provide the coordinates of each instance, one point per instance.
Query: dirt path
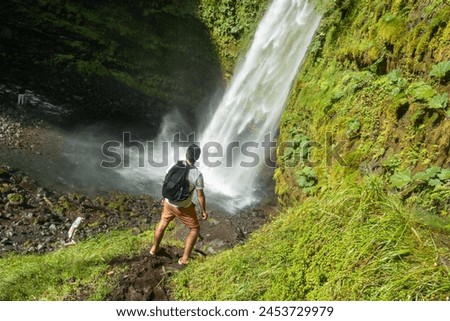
(147, 276)
(146, 280)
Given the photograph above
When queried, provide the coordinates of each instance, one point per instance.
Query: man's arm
(202, 201)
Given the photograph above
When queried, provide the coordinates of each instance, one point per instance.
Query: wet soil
(146, 279)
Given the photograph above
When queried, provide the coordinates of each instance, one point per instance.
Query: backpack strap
(189, 167)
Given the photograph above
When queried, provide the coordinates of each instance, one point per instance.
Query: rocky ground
(35, 217)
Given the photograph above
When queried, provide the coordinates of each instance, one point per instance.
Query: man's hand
(204, 215)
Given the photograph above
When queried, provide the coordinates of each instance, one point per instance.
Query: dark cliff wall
(125, 60)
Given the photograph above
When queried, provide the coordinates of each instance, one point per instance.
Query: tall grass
(69, 272)
(354, 243)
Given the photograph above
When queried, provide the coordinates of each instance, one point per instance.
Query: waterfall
(250, 109)
(252, 106)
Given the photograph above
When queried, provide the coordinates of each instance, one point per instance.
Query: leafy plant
(433, 171)
(444, 175)
(391, 163)
(396, 79)
(421, 91)
(441, 70)
(433, 176)
(299, 148)
(395, 75)
(306, 177)
(354, 126)
(439, 101)
(401, 179)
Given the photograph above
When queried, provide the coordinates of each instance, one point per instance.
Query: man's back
(195, 179)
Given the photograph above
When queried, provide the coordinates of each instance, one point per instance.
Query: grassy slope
(374, 224)
(66, 273)
(356, 243)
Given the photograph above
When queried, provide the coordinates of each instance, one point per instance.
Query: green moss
(5, 188)
(231, 24)
(366, 82)
(16, 199)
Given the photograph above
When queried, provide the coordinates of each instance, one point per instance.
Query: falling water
(251, 106)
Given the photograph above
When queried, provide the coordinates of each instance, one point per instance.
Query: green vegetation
(371, 223)
(441, 70)
(376, 80)
(16, 199)
(231, 24)
(66, 273)
(356, 242)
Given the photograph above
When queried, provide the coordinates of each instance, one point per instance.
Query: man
(184, 210)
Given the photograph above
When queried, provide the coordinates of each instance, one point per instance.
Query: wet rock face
(71, 56)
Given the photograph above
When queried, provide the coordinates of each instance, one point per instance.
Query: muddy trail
(147, 276)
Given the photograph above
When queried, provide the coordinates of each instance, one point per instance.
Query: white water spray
(252, 105)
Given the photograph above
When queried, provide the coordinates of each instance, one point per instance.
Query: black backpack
(176, 183)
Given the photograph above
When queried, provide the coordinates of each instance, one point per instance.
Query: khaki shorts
(187, 215)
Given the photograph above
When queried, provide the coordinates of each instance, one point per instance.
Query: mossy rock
(16, 199)
(66, 204)
(58, 210)
(118, 205)
(5, 188)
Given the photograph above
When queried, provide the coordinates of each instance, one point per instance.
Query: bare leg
(190, 242)
(159, 233)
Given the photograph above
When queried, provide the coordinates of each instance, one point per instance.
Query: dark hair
(193, 153)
